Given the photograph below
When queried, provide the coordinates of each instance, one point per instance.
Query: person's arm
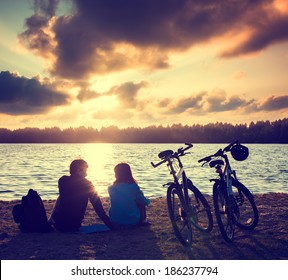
(140, 198)
(98, 207)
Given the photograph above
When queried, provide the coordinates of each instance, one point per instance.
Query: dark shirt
(69, 210)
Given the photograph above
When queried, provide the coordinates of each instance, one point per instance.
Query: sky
(136, 63)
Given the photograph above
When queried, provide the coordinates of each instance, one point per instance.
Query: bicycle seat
(165, 154)
(213, 163)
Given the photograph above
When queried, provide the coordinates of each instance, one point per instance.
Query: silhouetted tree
(259, 132)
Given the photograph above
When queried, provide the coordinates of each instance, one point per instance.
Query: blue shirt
(124, 198)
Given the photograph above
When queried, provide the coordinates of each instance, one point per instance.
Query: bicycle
(186, 204)
(233, 203)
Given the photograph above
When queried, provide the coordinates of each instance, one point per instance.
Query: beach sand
(269, 241)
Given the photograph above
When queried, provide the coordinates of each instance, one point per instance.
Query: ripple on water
(39, 166)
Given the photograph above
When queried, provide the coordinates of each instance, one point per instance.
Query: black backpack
(31, 214)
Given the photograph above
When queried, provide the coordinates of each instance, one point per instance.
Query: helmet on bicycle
(239, 152)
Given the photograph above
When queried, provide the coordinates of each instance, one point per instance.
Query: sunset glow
(91, 63)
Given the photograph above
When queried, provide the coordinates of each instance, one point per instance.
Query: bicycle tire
(248, 211)
(200, 209)
(177, 213)
(223, 212)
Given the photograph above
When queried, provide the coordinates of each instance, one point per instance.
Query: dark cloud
(270, 31)
(203, 102)
(20, 95)
(218, 102)
(38, 35)
(112, 35)
(86, 94)
(46, 7)
(164, 103)
(274, 103)
(183, 104)
(127, 93)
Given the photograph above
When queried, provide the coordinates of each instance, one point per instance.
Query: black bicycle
(186, 204)
(233, 203)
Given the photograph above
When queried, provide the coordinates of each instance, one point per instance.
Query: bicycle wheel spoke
(199, 214)
(247, 211)
(178, 216)
(223, 213)
(230, 230)
(183, 226)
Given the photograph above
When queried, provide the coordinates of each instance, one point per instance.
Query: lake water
(39, 166)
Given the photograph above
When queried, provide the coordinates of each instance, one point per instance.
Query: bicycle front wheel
(199, 209)
(248, 215)
(223, 212)
(178, 215)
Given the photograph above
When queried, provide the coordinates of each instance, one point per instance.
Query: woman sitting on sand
(74, 192)
(127, 201)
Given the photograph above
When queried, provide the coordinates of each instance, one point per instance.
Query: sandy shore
(268, 241)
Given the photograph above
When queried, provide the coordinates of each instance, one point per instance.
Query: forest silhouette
(255, 132)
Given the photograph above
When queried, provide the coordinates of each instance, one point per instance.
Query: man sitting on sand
(74, 192)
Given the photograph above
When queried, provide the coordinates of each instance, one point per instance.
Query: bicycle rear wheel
(248, 213)
(178, 215)
(199, 209)
(223, 212)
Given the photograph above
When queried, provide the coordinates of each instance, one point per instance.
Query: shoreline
(269, 241)
(104, 198)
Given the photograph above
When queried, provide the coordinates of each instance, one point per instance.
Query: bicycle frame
(178, 175)
(190, 210)
(226, 175)
(178, 172)
(230, 193)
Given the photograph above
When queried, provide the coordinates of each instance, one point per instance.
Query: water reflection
(39, 166)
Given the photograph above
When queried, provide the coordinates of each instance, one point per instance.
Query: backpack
(31, 214)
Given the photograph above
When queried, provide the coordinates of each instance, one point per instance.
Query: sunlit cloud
(281, 6)
(125, 93)
(219, 101)
(274, 103)
(39, 35)
(138, 62)
(240, 75)
(87, 94)
(182, 104)
(108, 36)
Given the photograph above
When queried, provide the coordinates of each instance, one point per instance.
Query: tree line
(255, 132)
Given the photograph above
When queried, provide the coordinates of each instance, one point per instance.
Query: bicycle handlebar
(219, 153)
(170, 154)
(228, 148)
(157, 164)
(180, 151)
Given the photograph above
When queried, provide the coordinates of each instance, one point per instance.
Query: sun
(99, 158)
